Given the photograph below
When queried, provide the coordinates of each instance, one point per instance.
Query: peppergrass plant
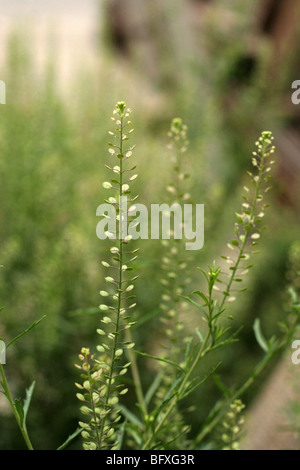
(175, 280)
(174, 262)
(102, 385)
(159, 419)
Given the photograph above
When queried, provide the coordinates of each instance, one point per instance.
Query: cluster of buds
(232, 425)
(248, 221)
(92, 394)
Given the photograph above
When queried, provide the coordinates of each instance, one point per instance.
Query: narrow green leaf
(191, 301)
(135, 435)
(221, 386)
(204, 274)
(145, 318)
(168, 397)
(120, 436)
(187, 350)
(191, 354)
(27, 401)
(199, 334)
(130, 416)
(192, 387)
(259, 336)
(173, 386)
(156, 358)
(70, 439)
(203, 296)
(218, 314)
(34, 324)
(154, 386)
(223, 343)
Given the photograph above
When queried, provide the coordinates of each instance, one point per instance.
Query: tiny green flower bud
(104, 293)
(114, 400)
(85, 351)
(84, 425)
(103, 307)
(100, 332)
(106, 320)
(85, 410)
(80, 396)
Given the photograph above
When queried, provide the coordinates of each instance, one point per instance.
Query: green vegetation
(194, 346)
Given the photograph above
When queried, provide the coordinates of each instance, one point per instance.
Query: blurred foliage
(52, 152)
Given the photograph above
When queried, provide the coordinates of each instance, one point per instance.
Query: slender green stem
(13, 407)
(200, 355)
(175, 349)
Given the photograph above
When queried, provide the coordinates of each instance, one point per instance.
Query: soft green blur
(52, 155)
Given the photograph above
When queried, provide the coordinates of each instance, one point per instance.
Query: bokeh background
(226, 67)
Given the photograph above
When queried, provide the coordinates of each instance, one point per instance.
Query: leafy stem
(19, 419)
(119, 290)
(245, 386)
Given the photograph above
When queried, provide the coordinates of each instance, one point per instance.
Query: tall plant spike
(246, 230)
(175, 280)
(174, 262)
(102, 374)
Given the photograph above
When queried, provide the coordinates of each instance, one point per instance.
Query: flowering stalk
(245, 229)
(103, 385)
(248, 221)
(174, 262)
(232, 426)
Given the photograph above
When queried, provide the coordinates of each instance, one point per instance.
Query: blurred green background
(226, 68)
